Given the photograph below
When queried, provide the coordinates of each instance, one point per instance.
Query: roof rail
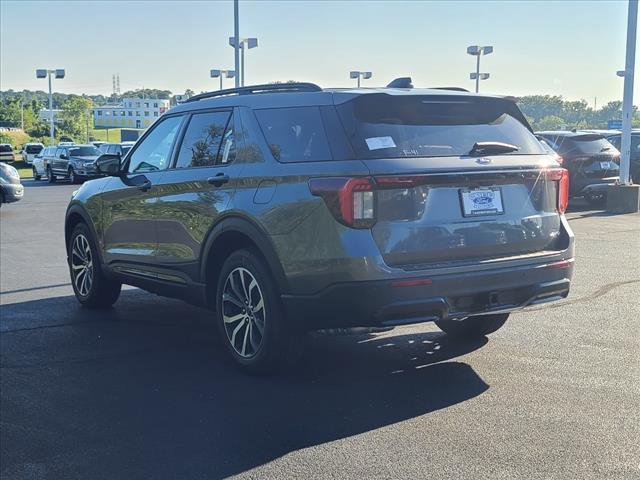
(453, 89)
(266, 88)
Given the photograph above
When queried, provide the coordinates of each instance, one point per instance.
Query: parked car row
(74, 162)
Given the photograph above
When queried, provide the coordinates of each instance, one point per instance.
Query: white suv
(30, 150)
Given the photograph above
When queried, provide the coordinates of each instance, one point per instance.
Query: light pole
(242, 44)
(43, 73)
(223, 73)
(478, 51)
(236, 40)
(359, 75)
(627, 101)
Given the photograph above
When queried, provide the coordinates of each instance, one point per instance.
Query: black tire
(275, 345)
(100, 291)
(473, 327)
(35, 174)
(50, 176)
(73, 178)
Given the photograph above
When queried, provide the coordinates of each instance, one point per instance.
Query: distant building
(131, 113)
(43, 114)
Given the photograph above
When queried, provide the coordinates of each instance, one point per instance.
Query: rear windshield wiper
(492, 148)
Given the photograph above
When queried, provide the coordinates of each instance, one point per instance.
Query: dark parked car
(116, 148)
(616, 141)
(592, 161)
(287, 208)
(75, 162)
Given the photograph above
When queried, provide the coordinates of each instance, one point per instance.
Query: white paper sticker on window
(376, 143)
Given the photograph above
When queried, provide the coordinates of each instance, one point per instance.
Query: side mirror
(108, 164)
(64, 156)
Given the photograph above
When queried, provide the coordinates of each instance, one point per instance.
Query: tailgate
(427, 219)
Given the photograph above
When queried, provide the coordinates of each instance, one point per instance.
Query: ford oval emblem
(483, 161)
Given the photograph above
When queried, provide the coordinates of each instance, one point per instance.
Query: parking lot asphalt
(144, 390)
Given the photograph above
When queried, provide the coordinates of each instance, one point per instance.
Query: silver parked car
(11, 190)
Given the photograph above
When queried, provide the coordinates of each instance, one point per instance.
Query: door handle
(145, 186)
(218, 180)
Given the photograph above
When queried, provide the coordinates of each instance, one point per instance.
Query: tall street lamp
(243, 44)
(478, 51)
(44, 73)
(359, 75)
(627, 100)
(223, 73)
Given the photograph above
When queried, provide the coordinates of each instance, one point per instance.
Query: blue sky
(570, 48)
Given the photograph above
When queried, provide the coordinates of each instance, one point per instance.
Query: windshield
(84, 151)
(383, 126)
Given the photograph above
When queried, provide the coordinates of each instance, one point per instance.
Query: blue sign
(614, 124)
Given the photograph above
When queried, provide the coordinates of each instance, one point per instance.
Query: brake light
(560, 175)
(350, 200)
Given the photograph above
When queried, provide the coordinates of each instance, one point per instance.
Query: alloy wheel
(243, 312)
(82, 265)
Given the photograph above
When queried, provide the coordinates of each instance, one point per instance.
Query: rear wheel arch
(233, 234)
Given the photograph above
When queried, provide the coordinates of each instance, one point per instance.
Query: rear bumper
(593, 185)
(398, 302)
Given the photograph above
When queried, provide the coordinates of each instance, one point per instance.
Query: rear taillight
(350, 200)
(561, 176)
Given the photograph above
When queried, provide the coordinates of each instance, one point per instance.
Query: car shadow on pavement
(144, 391)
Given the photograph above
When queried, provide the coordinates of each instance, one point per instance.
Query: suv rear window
(590, 144)
(33, 149)
(389, 126)
(5, 148)
(294, 134)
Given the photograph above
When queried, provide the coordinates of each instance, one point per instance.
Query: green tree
(550, 122)
(74, 116)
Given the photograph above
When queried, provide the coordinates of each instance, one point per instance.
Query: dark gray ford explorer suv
(286, 208)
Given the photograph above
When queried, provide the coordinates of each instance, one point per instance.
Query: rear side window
(391, 126)
(294, 134)
(208, 141)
